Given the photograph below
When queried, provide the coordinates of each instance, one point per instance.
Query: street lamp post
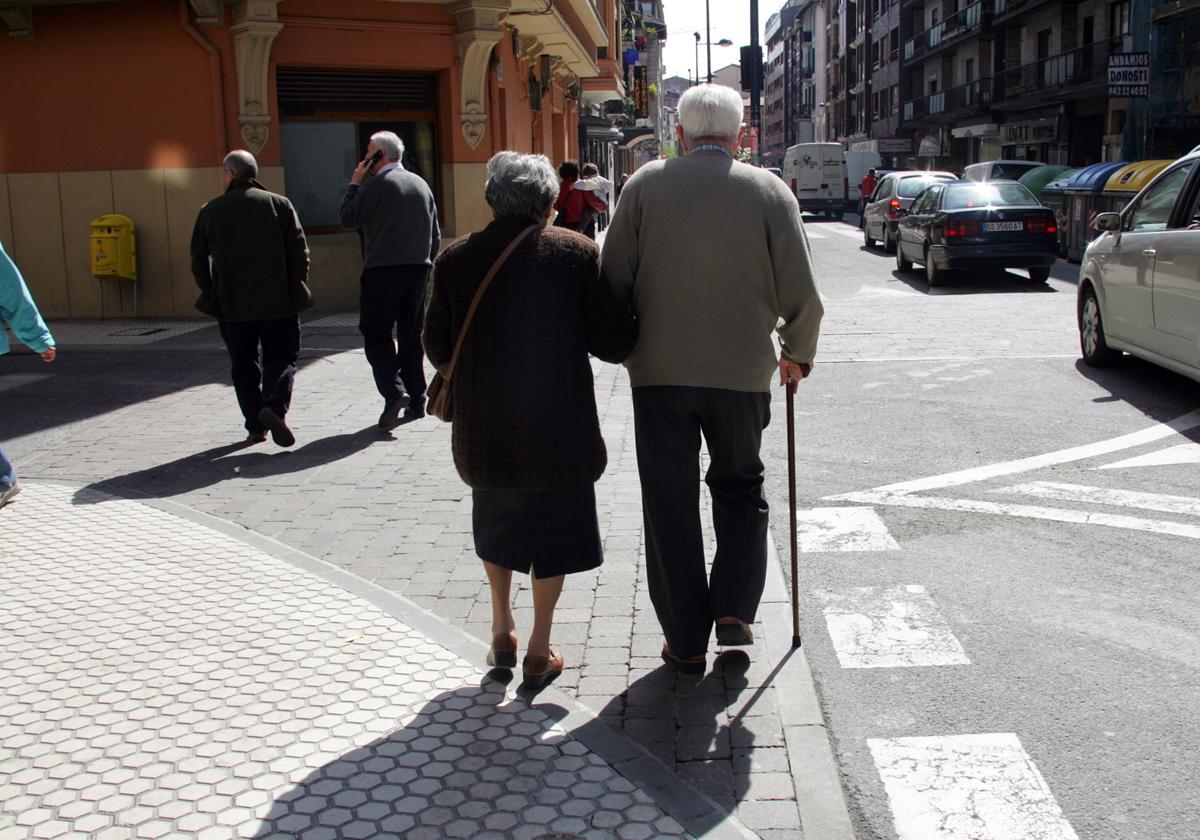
(697, 34)
(708, 39)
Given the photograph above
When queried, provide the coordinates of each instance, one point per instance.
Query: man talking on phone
(396, 212)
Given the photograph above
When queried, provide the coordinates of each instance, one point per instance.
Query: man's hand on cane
(790, 373)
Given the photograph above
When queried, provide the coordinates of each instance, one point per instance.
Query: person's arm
(436, 241)
(18, 310)
(612, 330)
(799, 303)
(356, 205)
(295, 248)
(619, 259)
(435, 334)
(595, 202)
(202, 267)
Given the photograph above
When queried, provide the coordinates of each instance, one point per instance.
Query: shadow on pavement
(1160, 394)
(90, 381)
(469, 763)
(973, 283)
(222, 463)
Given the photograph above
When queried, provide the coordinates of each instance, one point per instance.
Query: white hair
(710, 112)
(390, 143)
(520, 185)
(241, 164)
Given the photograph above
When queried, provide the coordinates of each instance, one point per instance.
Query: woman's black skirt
(552, 532)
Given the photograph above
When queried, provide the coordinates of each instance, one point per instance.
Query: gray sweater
(398, 217)
(713, 256)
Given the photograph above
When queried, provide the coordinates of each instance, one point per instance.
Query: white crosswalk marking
(1184, 453)
(967, 787)
(894, 627)
(1106, 496)
(813, 235)
(843, 529)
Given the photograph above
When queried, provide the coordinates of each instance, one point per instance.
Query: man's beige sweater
(713, 255)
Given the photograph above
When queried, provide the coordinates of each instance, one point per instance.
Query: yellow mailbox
(114, 248)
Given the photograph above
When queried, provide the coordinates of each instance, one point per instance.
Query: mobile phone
(375, 158)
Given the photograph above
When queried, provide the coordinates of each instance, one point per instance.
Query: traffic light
(752, 65)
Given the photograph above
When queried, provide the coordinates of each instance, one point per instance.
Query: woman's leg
(545, 598)
(500, 580)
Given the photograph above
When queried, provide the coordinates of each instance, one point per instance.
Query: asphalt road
(1009, 649)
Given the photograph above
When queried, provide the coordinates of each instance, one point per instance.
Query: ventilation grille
(305, 91)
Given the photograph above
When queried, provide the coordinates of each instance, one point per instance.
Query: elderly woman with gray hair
(526, 436)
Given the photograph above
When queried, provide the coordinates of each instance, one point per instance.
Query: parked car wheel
(1096, 352)
(867, 239)
(889, 244)
(1039, 274)
(934, 276)
(902, 262)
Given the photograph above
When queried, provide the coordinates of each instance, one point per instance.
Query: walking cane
(791, 444)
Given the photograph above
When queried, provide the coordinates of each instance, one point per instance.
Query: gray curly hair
(520, 185)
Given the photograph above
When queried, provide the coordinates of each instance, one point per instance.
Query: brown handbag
(439, 393)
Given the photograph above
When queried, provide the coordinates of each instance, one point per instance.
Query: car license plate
(997, 226)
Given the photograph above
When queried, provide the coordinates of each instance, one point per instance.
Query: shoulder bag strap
(487, 280)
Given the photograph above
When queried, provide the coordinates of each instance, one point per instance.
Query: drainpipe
(215, 73)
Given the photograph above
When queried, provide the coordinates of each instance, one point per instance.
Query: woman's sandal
(733, 632)
(684, 664)
(503, 652)
(540, 671)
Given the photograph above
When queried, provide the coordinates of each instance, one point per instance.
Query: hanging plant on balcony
(652, 89)
(640, 42)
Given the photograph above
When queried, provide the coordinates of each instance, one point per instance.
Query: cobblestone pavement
(392, 510)
(162, 679)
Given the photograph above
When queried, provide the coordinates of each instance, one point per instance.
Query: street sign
(1129, 74)
(895, 145)
(641, 91)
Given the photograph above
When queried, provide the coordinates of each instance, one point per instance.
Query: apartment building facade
(302, 84)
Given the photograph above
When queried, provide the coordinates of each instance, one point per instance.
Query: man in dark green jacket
(250, 261)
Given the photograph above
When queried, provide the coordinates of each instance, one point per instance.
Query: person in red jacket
(576, 208)
(865, 189)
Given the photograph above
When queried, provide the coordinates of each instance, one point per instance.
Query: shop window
(319, 156)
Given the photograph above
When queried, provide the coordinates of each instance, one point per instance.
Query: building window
(895, 43)
(1118, 26)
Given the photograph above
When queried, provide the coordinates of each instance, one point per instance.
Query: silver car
(1139, 283)
(892, 198)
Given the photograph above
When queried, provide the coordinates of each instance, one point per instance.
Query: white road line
(1077, 517)
(1184, 453)
(894, 627)
(1105, 496)
(1075, 453)
(967, 787)
(811, 235)
(851, 232)
(843, 529)
(1005, 357)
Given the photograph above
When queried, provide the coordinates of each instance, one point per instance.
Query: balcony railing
(961, 21)
(976, 94)
(1075, 67)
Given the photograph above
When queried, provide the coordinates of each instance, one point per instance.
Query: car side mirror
(1108, 221)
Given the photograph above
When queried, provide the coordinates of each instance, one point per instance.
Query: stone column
(256, 23)
(478, 33)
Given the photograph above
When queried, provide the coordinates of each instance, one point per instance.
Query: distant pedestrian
(20, 313)
(577, 208)
(713, 256)
(620, 186)
(250, 260)
(526, 436)
(592, 181)
(865, 189)
(396, 213)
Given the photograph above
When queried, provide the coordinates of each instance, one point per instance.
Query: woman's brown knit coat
(525, 409)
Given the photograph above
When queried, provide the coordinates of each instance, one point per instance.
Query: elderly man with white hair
(712, 254)
(395, 211)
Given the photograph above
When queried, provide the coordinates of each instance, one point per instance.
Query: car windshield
(986, 195)
(910, 187)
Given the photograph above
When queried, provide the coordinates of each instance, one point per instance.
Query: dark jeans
(8, 473)
(393, 298)
(668, 422)
(263, 354)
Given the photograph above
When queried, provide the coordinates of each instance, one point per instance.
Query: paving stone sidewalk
(392, 510)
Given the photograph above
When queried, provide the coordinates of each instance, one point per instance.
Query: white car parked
(1139, 282)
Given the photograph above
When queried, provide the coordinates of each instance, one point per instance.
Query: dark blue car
(965, 225)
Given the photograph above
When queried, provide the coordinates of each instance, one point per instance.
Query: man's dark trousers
(668, 422)
(393, 298)
(263, 355)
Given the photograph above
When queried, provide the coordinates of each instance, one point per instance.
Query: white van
(858, 164)
(816, 173)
